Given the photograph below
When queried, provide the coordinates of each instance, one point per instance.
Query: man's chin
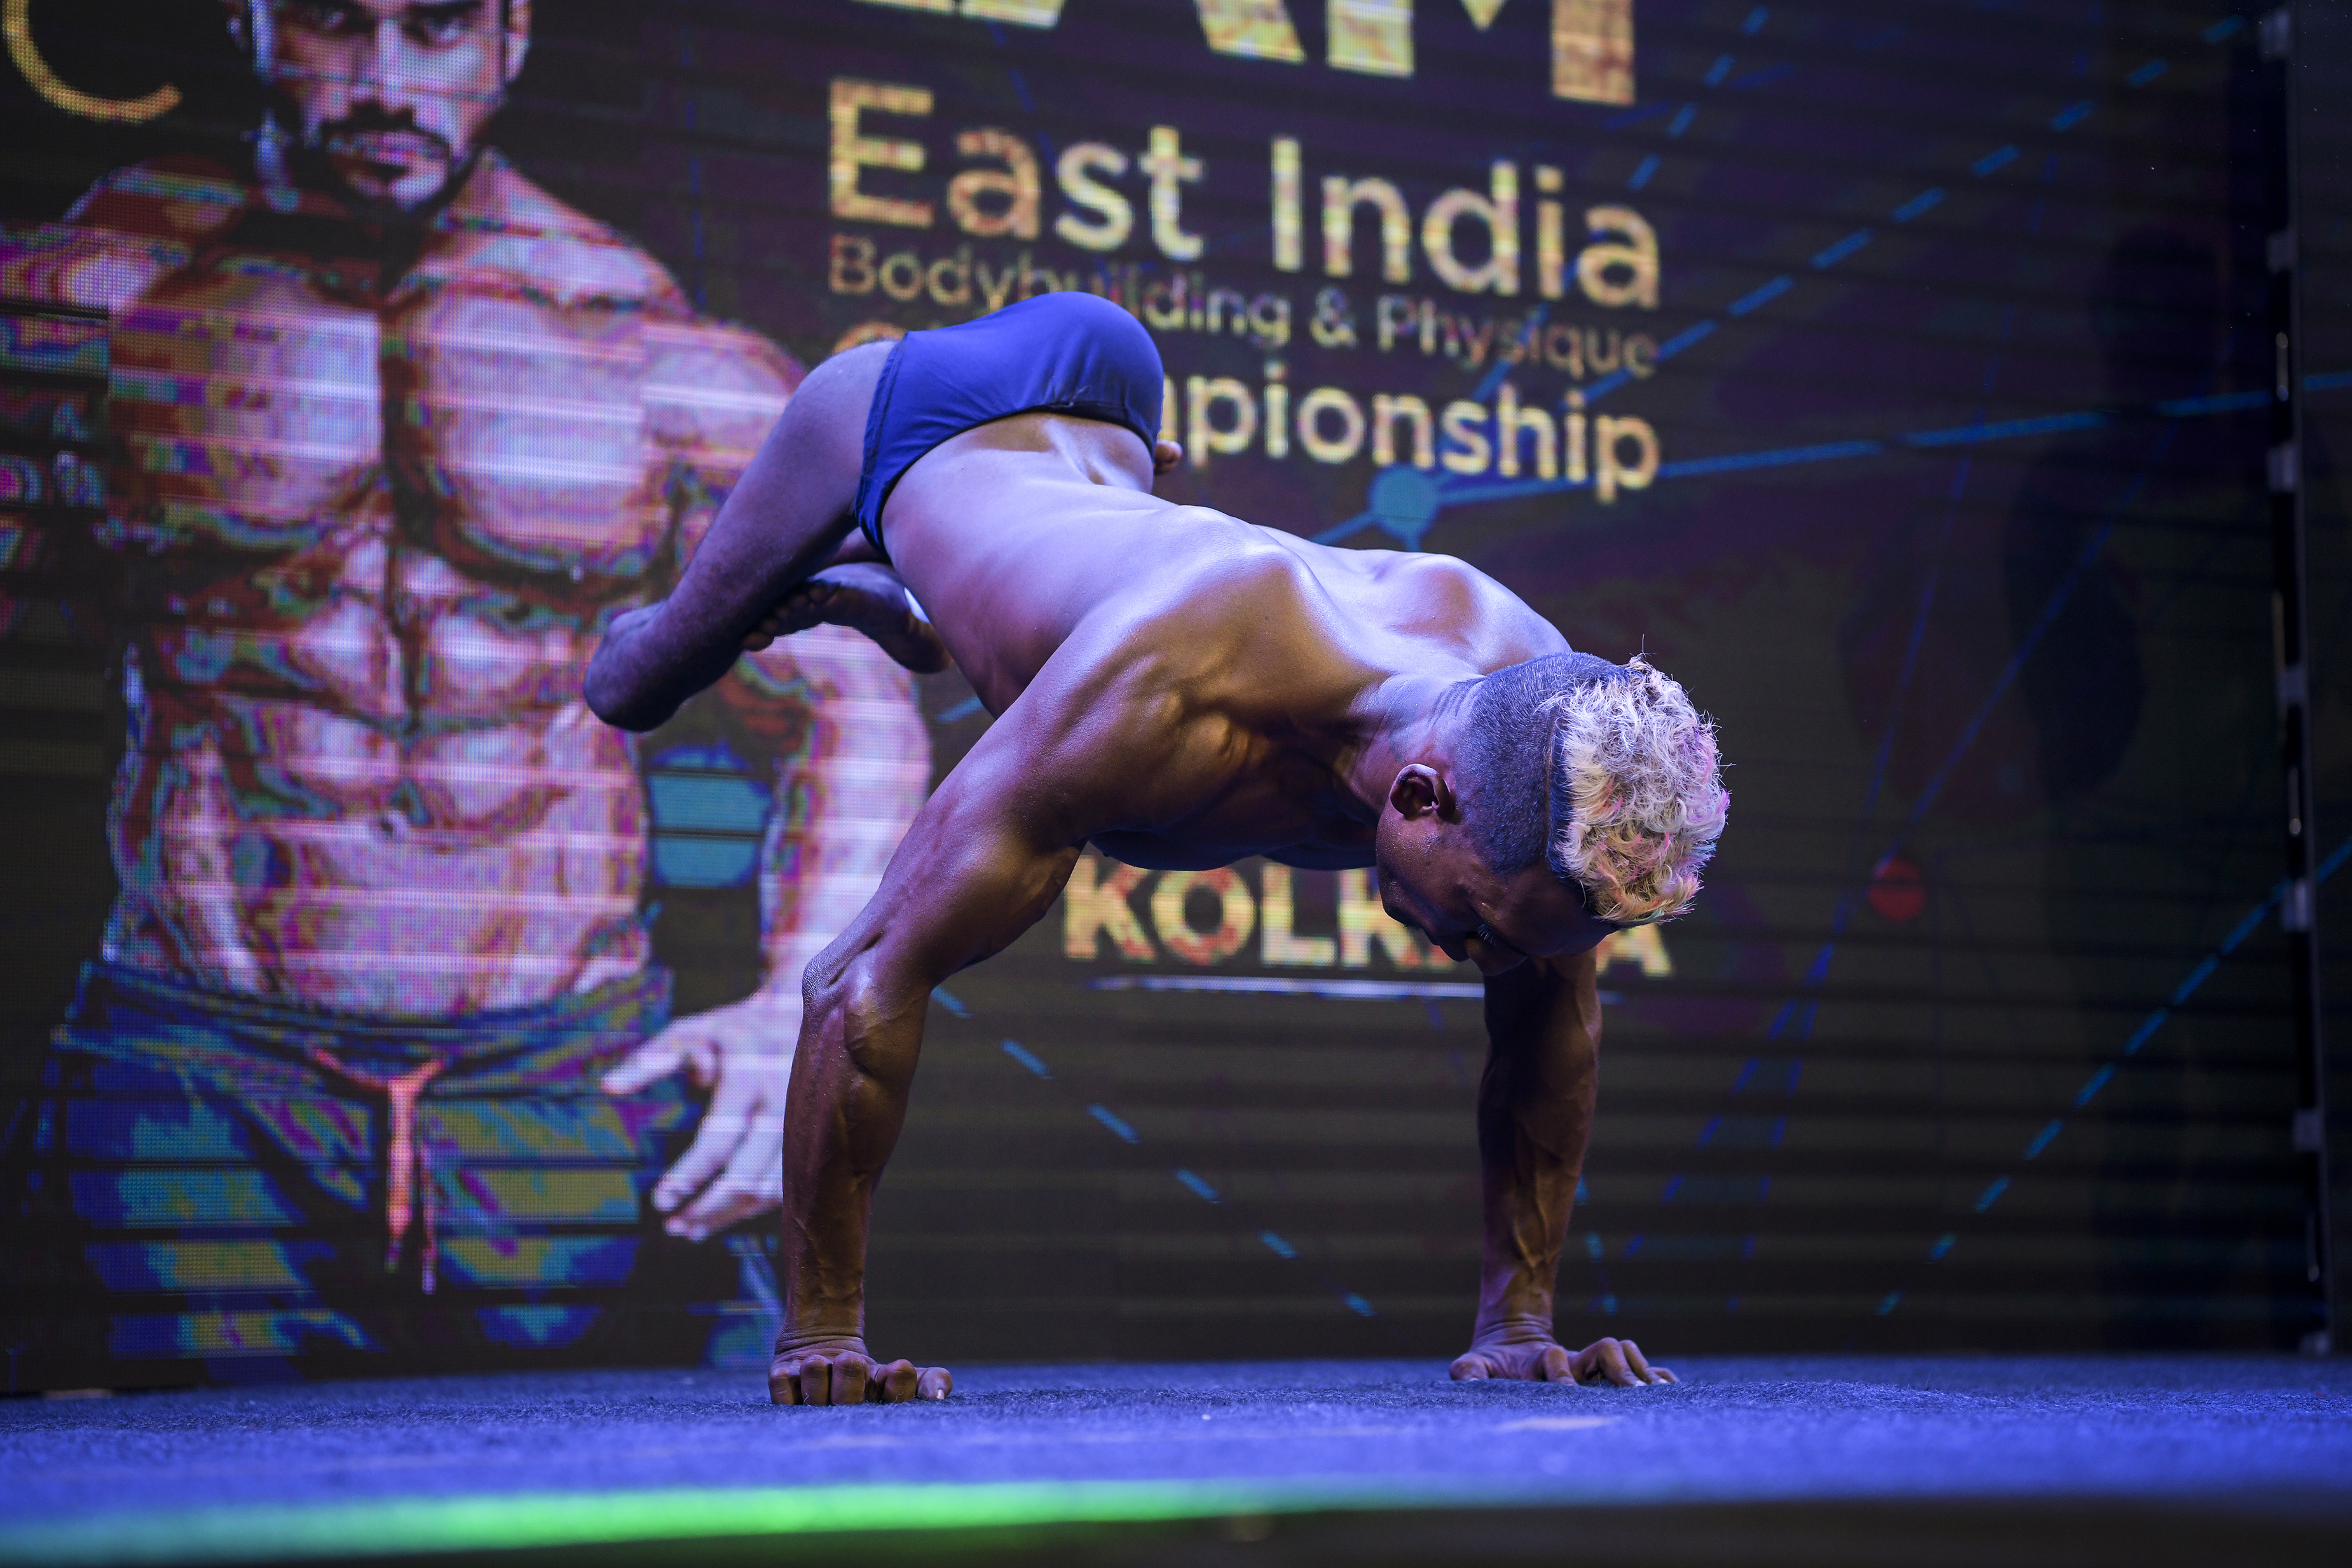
(377, 188)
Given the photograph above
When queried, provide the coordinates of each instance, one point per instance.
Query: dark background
(1998, 701)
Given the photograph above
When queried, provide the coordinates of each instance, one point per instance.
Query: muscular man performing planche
(1180, 689)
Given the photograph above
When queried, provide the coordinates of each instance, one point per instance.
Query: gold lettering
(1168, 168)
(1500, 212)
(17, 21)
(1365, 924)
(1289, 247)
(1016, 182)
(1312, 410)
(851, 268)
(1255, 30)
(1201, 435)
(1341, 196)
(1637, 256)
(1552, 246)
(1465, 424)
(1592, 50)
(1511, 421)
(1019, 13)
(1236, 914)
(1639, 944)
(1611, 474)
(1114, 219)
(902, 275)
(853, 150)
(1386, 412)
(1374, 36)
(1094, 906)
(1279, 945)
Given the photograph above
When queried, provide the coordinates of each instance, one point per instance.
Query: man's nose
(386, 70)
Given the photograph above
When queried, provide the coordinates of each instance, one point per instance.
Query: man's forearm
(848, 1103)
(1535, 1115)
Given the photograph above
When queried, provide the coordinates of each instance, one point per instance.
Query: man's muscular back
(1240, 666)
(376, 511)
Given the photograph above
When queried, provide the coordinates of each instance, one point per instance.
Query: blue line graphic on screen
(1126, 1133)
(2202, 971)
(1409, 527)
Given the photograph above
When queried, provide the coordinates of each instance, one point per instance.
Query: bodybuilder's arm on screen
(1536, 1102)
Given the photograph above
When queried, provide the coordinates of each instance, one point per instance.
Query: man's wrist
(1513, 1328)
(790, 1342)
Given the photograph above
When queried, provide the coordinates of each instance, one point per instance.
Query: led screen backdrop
(1894, 377)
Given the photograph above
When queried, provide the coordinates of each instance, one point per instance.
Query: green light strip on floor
(417, 1526)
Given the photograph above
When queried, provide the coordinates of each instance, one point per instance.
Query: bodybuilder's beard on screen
(382, 145)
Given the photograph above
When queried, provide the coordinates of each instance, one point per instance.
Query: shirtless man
(1180, 689)
(399, 433)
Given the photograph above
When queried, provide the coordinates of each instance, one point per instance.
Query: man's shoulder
(183, 197)
(134, 226)
(505, 223)
(1445, 599)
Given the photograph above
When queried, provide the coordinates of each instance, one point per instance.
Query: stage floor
(1795, 1459)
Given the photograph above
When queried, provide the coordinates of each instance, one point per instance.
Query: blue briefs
(1058, 353)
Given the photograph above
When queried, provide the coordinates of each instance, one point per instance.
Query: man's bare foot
(865, 598)
(833, 1374)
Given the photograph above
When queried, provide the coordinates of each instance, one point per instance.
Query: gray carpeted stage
(1800, 1461)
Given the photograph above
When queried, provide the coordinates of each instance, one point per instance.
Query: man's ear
(1420, 790)
(516, 41)
(1165, 455)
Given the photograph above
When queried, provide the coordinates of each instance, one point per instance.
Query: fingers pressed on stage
(850, 1377)
(851, 1374)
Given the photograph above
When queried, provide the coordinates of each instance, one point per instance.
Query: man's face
(1433, 878)
(393, 94)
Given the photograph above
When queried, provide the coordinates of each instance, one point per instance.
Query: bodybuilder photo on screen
(375, 1055)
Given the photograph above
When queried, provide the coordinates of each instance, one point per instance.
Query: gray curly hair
(1631, 800)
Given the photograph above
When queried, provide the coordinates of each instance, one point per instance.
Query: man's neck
(1405, 719)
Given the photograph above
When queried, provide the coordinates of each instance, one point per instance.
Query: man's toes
(816, 1380)
(898, 1381)
(935, 1382)
(783, 1388)
(1469, 1369)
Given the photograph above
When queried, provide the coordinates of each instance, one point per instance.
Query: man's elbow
(856, 1006)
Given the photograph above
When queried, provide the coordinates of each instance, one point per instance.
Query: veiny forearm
(859, 1040)
(1536, 1104)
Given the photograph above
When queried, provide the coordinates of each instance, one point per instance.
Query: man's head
(1576, 797)
(385, 99)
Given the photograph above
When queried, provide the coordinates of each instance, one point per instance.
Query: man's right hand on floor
(839, 1371)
